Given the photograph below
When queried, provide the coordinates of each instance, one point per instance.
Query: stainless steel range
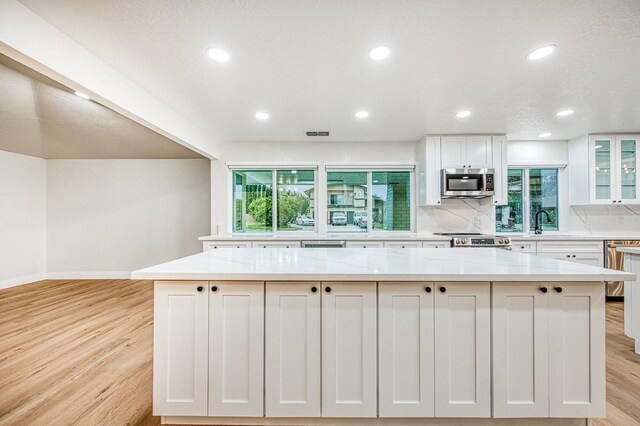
(477, 240)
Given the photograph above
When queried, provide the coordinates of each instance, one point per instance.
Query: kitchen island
(632, 295)
(352, 336)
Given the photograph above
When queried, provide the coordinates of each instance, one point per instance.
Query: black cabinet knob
(573, 255)
(328, 289)
(314, 289)
(443, 289)
(558, 289)
(200, 288)
(543, 289)
(427, 289)
(214, 288)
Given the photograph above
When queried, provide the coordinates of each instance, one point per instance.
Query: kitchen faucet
(538, 229)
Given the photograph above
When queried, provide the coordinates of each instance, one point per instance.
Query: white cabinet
(180, 348)
(584, 252)
(236, 348)
(463, 351)
(524, 246)
(632, 300)
(576, 350)
(520, 350)
(603, 169)
(499, 164)
(402, 244)
(436, 244)
(211, 245)
(364, 244)
(459, 152)
(292, 349)
(276, 244)
(349, 330)
(548, 348)
(406, 350)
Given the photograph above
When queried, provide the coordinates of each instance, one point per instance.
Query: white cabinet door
(405, 350)
(292, 349)
(627, 176)
(276, 244)
(180, 348)
(520, 349)
(499, 164)
(433, 244)
(602, 169)
(349, 329)
(453, 151)
(212, 245)
(364, 244)
(576, 350)
(403, 244)
(236, 348)
(463, 351)
(478, 152)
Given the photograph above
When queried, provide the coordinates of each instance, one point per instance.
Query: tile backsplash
(605, 218)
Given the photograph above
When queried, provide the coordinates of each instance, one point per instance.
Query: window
(361, 201)
(256, 210)
(530, 191)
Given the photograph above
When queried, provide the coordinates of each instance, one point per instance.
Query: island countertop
(374, 264)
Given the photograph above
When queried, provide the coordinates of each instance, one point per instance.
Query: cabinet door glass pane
(391, 203)
(509, 217)
(252, 199)
(543, 196)
(295, 201)
(603, 169)
(628, 169)
(347, 202)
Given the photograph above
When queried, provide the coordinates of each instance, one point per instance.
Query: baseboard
(89, 275)
(84, 275)
(27, 279)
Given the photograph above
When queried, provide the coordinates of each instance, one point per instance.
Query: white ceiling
(42, 118)
(305, 62)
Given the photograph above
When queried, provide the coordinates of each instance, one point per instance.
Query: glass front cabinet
(603, 169)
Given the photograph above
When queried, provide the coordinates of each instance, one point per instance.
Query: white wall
(22, 219)
(454, 215)
(109, 217)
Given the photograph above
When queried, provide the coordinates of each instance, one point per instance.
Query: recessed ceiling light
(218, 55)
(362, 114)
(262, 115)
(541, 52)
(379, 53)
(545, 135)
(463, 114)
(82, 95)
(564, 113)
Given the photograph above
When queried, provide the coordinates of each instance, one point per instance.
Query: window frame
(273, 168)
(526, 214)
(369, 171)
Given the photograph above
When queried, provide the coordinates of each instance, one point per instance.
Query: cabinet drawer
(365, 244)
(436, 244)
(523, 246)
(402, 244)
(569, 246)
(276, 244)
(210, 245)
(592, 259)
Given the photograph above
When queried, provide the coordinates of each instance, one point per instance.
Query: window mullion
(526, 219)
(369, 201)
(274, 202)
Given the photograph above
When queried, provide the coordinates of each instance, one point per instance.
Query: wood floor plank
(80, 352)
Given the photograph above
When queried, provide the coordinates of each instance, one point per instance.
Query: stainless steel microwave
(467, 183)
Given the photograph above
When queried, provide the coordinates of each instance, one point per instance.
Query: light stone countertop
(376, 264)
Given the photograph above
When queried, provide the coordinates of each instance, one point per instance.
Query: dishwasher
(324, 244)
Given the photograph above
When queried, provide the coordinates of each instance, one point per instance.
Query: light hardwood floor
(79, 352)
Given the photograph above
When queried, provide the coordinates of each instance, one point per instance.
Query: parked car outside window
(338, 218)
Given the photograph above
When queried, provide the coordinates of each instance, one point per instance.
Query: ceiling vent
(317, 133)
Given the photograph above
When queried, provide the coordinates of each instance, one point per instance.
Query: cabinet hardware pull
(573, 255)
(443, 289)
(328, 289)
(522, 247)
(214, 288)
(558, 289)
(200, 289)
(314, 289)
(543, 289)
(427, 289)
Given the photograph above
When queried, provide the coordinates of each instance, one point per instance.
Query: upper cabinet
(602, 169)
(460, 152)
